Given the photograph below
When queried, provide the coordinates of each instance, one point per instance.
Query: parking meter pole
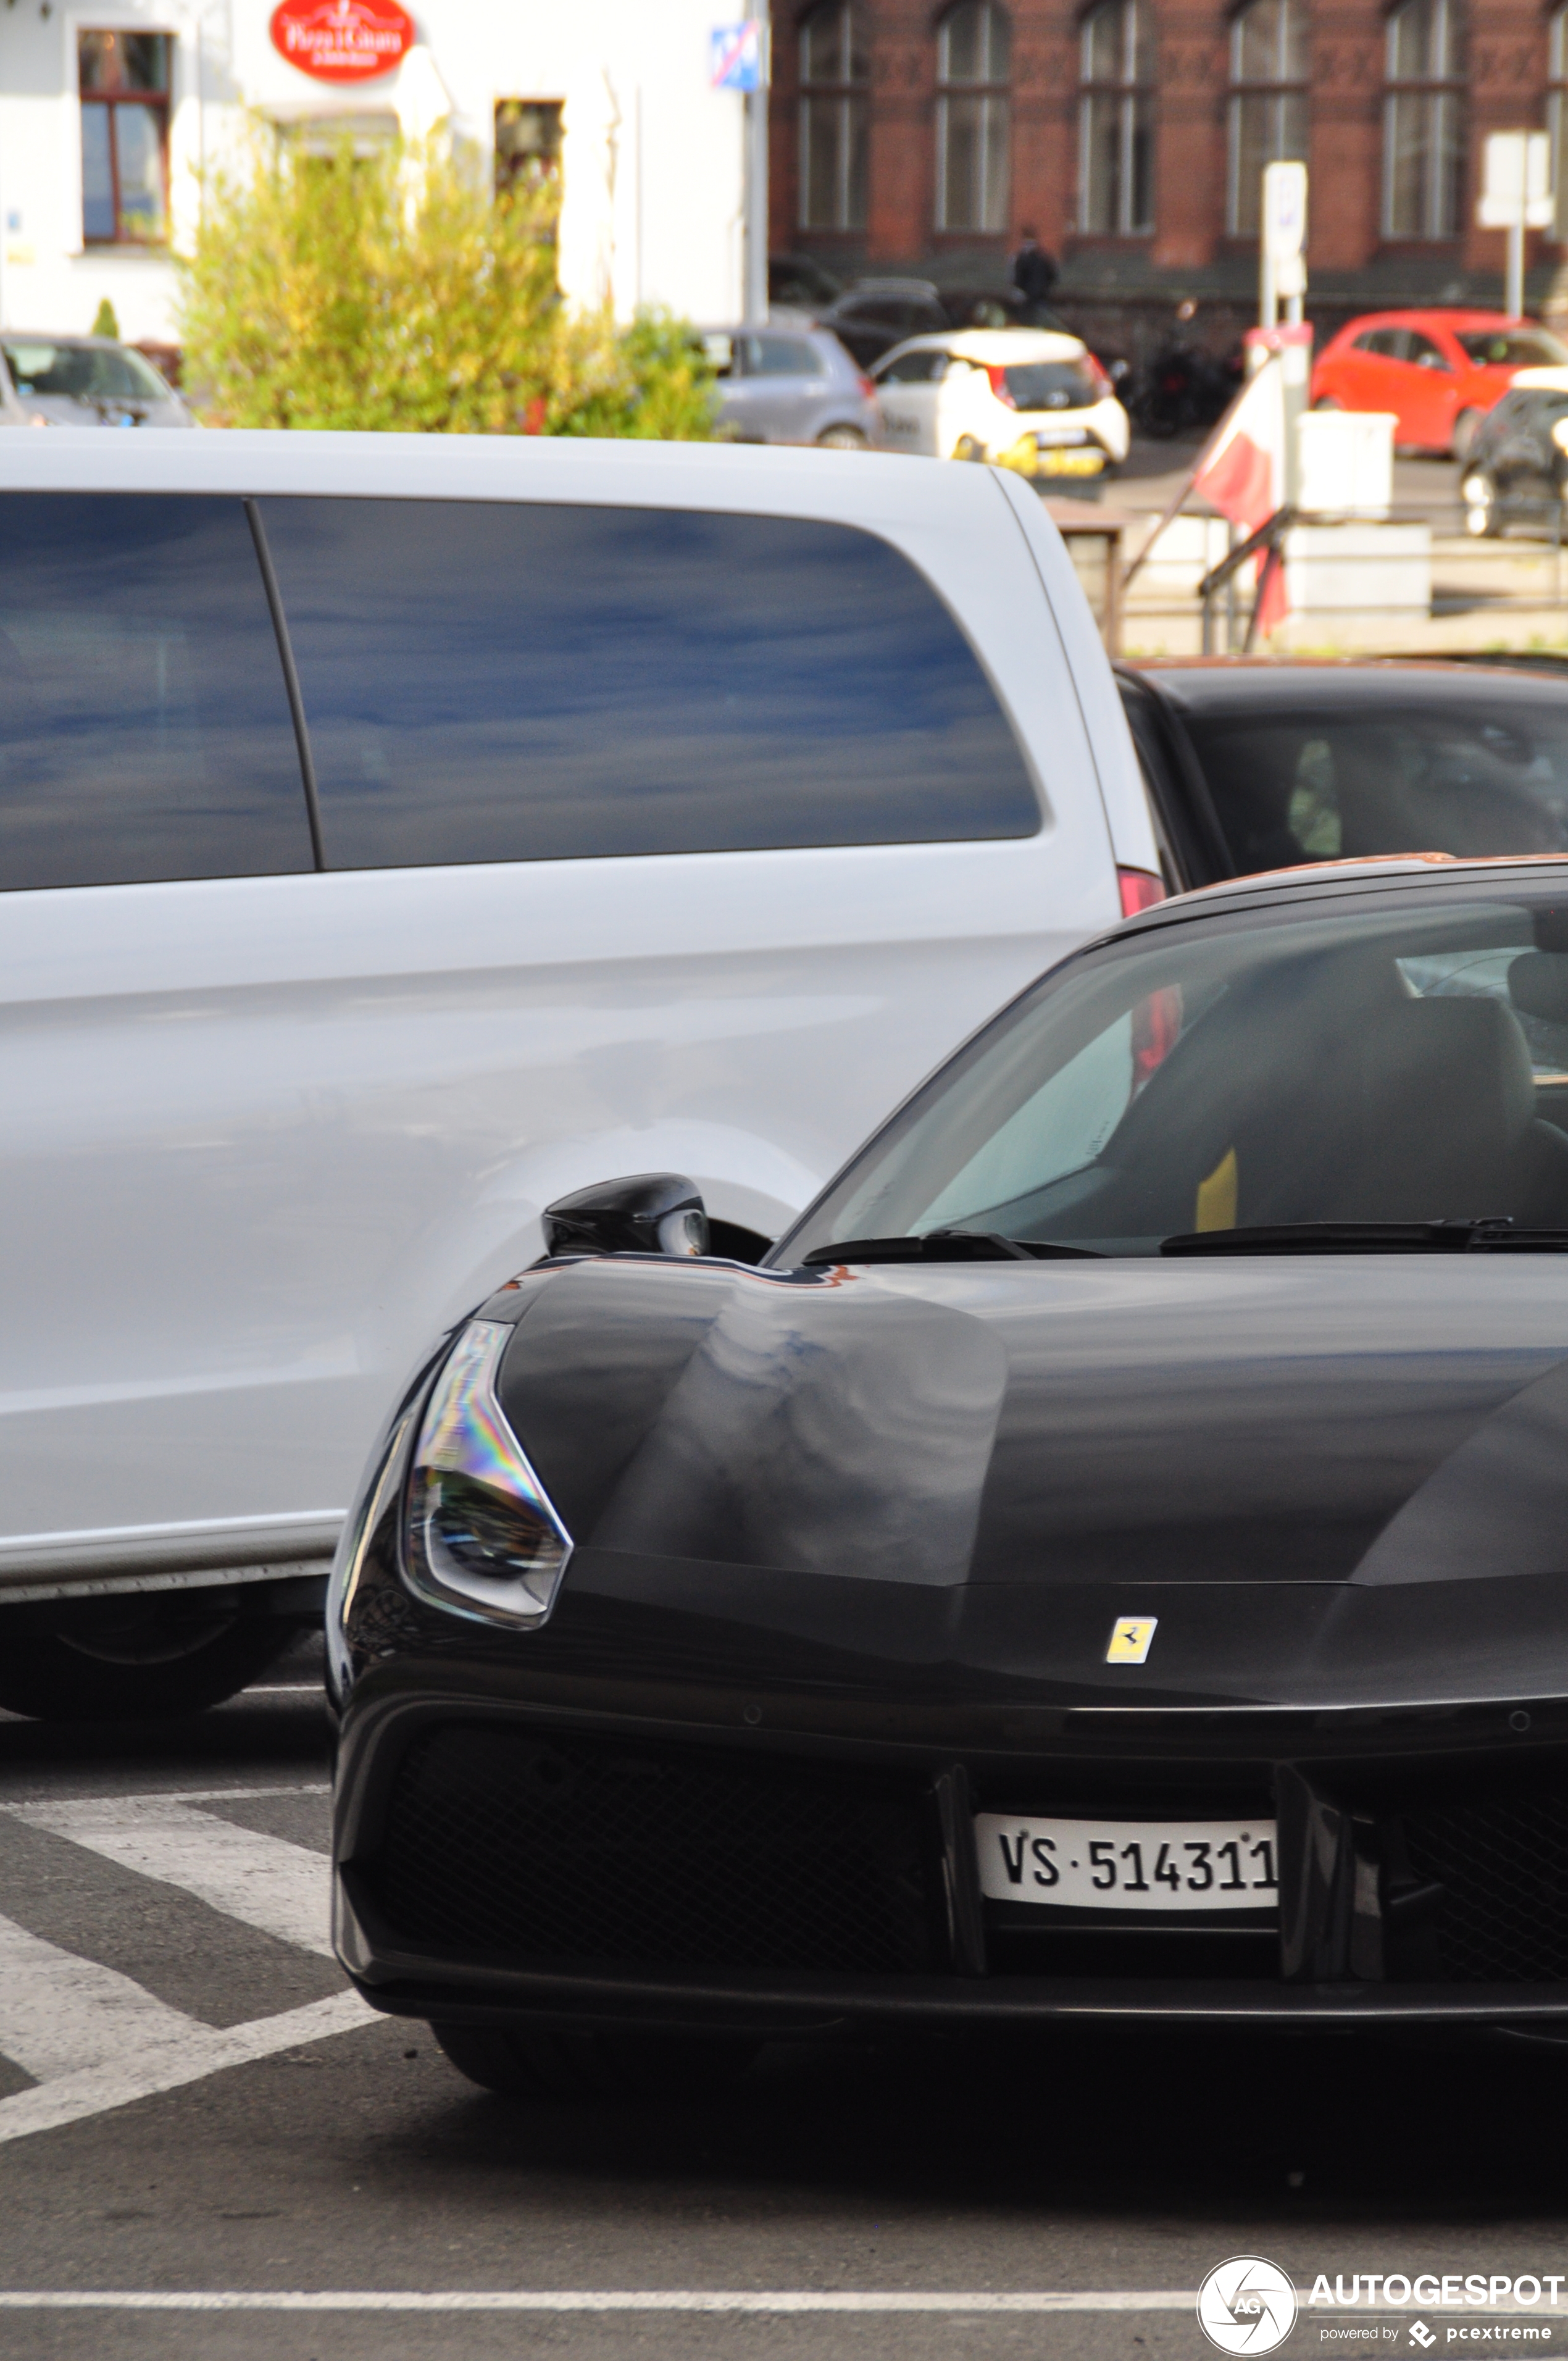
(756, 290)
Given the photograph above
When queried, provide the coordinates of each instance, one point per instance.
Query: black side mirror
(652, 1212)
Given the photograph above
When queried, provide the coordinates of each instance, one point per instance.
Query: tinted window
(1489, 775)
(1514, 348)
(1392, 1064)
(1052, 385)
(1422, 351)
(893, 311)
(781, 357)
(511, 682)
(144, 729)
(913, 368)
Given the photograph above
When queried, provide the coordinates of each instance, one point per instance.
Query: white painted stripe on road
(686, 2300)
(167, 2065)
(283, 1889)
(202, 1795)
(60, 2015)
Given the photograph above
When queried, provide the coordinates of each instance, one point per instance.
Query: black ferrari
(1110, 1559)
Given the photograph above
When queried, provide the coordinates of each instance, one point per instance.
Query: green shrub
(395, 292)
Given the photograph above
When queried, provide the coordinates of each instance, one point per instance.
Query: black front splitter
(784, 2006)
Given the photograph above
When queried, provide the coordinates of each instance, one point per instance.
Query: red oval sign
(342, 40)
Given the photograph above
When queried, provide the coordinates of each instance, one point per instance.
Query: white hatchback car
(397, 833)
(1030, 399)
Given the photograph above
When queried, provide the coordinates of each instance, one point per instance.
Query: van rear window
(508, 682)
(144, 724)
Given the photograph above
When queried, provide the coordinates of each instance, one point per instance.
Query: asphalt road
(163, 1895)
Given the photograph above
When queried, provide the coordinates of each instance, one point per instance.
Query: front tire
(1465, 428)
(968, 448)
(139, 1658)
(524, 2062)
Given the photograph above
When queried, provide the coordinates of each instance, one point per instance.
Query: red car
(1438, 371)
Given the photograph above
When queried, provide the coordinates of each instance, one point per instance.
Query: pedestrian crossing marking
(200, 2050)
(59, 2013)
(282, 1889)
(93, 2040)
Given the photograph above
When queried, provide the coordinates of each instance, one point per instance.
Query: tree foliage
(393, 291)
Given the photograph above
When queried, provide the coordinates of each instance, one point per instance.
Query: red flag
(1241, 473)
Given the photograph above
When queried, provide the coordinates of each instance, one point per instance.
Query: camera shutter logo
(1246, 2305)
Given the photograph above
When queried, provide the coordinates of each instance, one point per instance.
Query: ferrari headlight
(479, 1533)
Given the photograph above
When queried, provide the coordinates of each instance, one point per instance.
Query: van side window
(518, 682)
(144, 724)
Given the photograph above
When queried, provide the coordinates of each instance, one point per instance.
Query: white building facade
(111, 115)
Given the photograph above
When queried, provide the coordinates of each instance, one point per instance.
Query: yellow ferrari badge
(1131, 1636)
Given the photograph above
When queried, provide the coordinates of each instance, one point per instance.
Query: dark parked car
(1257, 764)
(801, 284)
(878, 313)
(875, 314)
(1517, 473)
(1106, 1561)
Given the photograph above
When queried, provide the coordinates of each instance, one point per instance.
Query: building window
(834, 72)
(1268, 101)
(1116, 194)
(1421, 122)
(974, 44)
(124, 136)
(527, 142)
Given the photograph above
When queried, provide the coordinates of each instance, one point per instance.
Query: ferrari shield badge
(1131, 1637)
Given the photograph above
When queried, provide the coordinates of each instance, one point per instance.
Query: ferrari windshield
(1402, 1060)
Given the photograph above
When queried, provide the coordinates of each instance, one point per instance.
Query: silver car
(791, 382)
(87, 382)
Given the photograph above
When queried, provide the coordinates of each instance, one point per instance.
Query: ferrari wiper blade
(949, 1245)
(1486, 1234)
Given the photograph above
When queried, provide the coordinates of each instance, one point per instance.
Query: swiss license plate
(1128, 1864)
(1055, 461)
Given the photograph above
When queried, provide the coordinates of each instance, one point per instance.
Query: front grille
(1502, 1916)
(514, 1847)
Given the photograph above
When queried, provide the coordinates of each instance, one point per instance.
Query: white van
(397, 833)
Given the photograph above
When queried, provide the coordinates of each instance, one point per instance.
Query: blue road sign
(735, 56)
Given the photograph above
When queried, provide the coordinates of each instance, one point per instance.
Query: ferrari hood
(1369, 1420)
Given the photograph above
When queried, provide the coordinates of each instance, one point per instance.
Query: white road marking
(199, 1795)
(94, 2039)
(283, 1889)
(59, 2014)
(198, 2050)
(686, 2300)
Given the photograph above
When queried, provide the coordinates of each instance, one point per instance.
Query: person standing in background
(1034, 270)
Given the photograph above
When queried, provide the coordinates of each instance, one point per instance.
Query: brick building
(1131, 135)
